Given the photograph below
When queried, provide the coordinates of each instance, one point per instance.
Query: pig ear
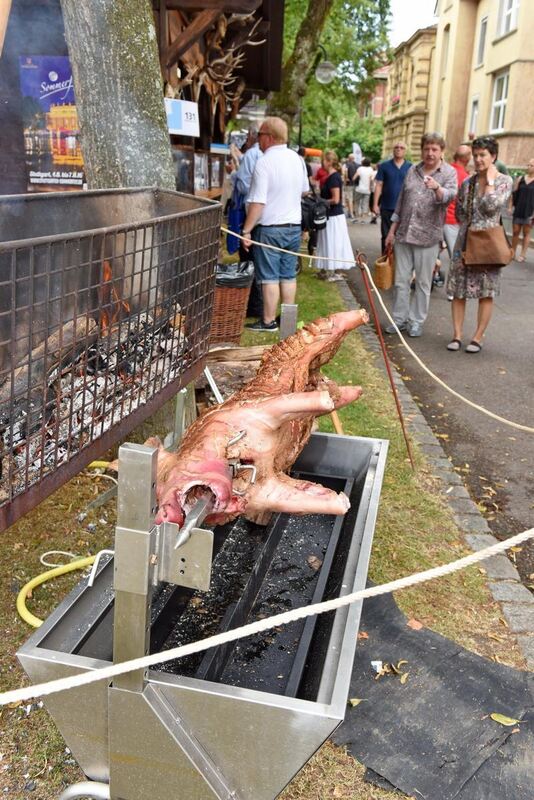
(282, 493)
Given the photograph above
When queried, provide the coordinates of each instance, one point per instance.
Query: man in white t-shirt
(274, 217)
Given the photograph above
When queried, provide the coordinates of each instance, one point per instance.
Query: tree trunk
(297, 69)
(119, 93)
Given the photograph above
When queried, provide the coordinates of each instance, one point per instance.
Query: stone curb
(505, 585)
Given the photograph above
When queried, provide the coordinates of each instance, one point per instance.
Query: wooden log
(253, 353)
(201, 23)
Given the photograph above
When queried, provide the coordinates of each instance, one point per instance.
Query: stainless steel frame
(162, 735)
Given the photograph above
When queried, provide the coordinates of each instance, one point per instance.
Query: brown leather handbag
(485, 249)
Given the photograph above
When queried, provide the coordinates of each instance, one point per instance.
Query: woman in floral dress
(492, 193)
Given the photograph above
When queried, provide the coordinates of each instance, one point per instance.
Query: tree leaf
(355, 701)
(414, 624)
(404, 677)
(502, 720)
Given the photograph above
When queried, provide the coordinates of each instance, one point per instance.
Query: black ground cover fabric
(432, 737)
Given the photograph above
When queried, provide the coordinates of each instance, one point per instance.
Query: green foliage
(355, 39)
(334, 123)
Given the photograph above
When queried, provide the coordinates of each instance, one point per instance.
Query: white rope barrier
(112, 671)
(108, 673)
(518, 426)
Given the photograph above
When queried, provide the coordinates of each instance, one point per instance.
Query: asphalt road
(495, 460)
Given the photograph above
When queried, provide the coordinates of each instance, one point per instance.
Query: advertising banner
(51, 131)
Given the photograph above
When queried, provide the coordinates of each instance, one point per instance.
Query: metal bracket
(185, 562)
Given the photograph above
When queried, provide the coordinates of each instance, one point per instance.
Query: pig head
(238, 453)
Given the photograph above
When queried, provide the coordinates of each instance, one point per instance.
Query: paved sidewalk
(504, 581)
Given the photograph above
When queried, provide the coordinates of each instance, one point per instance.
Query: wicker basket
(230, 305)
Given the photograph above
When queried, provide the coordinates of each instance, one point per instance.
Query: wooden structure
(217, 53)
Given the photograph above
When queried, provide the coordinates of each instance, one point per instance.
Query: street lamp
(325, 72)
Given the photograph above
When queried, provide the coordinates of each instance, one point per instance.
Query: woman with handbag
(481, 249)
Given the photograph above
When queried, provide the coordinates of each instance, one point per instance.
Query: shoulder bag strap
(470, 198)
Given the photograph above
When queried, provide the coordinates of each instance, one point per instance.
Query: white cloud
(408, 16)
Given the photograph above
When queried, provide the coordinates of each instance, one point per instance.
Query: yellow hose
(26, 615)
(98, 465)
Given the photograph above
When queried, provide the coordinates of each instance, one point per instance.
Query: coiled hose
(26, 615)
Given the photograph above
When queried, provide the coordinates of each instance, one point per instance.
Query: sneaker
(450, 298)
(415, 330)
(392, 329)
(334, 277)
(262, 326)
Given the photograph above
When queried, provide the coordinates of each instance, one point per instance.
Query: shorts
(518, 221)
(270, 265)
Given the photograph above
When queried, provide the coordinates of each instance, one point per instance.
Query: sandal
(473, 347)
(455, 345)
(521, 259)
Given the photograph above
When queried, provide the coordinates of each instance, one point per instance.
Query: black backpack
(314, 213)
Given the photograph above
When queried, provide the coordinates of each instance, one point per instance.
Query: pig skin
(276, 409)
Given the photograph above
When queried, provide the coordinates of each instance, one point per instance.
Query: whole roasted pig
(237, 453)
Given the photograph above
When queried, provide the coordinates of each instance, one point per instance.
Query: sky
(408, 16)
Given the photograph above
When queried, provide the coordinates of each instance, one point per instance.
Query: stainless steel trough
(238, 723)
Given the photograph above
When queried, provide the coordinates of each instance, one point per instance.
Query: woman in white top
(365, 175)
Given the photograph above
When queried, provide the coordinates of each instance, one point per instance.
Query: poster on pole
(51, 130)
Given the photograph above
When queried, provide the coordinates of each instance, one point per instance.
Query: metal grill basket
(105, 311)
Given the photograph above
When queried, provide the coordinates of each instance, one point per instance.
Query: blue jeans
(270, 265)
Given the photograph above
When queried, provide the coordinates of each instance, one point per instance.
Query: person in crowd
(274, 217)
(500, 165)
(416, 231)
(388, 183)
(333, 241)
(523, 210)
(320, 176)
(491, 196)
(243, 175)
(460, 162)
(302, 153)
(349, 188)
(364, 174)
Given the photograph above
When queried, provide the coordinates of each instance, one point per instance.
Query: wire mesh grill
(97, 330)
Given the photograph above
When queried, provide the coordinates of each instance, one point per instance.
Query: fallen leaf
(16, 704)
(502, 720)
(314, 562)
(404, 677)
(497, 638)
(338, 791)
(442, 435)
(516, 549)
(414, 624)
(355, 701)
(363, 635)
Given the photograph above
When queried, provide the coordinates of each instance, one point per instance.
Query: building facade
(483, 75)
(406, 102)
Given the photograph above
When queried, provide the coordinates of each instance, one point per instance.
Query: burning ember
(101, 379)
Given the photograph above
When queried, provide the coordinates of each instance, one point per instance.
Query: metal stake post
(135, 540)
(360, 260)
